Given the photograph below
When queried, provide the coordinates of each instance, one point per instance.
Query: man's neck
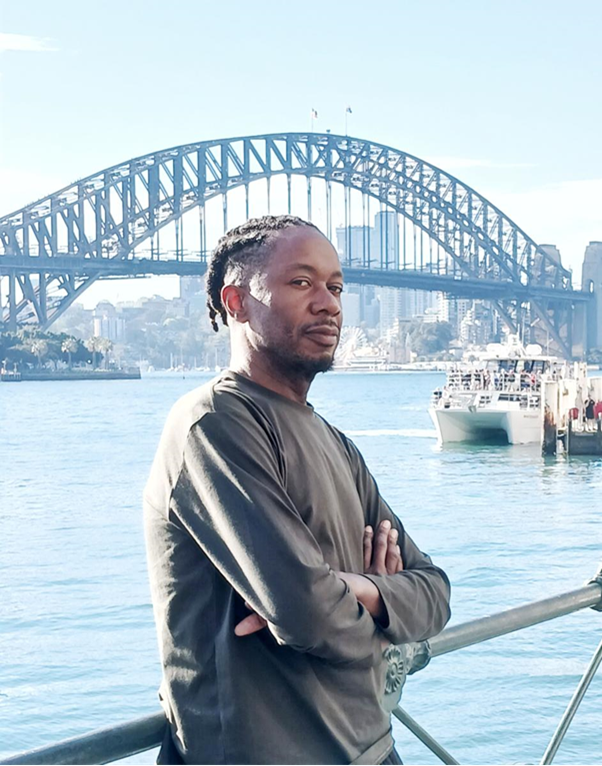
(263, 373)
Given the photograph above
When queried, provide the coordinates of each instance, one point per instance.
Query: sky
(505, 95)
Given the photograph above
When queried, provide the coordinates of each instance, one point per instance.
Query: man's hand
(250, 624)
(382, 555)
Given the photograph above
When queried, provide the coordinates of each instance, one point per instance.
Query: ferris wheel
(352, 339)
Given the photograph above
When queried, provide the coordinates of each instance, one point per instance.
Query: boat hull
(466, 425)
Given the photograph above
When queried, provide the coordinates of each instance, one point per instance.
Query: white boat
(498, 396)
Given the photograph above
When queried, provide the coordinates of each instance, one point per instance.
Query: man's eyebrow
(312, 269)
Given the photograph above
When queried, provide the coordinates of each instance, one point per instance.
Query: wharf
(584, 441)
(568, 419)
(10, 377)
(43, 375)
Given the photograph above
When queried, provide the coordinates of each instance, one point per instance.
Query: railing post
(423, 735)
(572, 708)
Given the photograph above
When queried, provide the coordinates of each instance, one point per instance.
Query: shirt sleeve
(231, 498)
(417, 599)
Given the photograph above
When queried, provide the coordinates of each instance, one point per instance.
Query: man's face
(295, 308)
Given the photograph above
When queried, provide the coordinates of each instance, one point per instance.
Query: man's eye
(301, 282)
(336, 289)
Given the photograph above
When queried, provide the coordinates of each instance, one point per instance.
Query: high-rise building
(354, 245)
(384, 250)
(453, 310)
(479, 325)
(366, 246)
(351, 309)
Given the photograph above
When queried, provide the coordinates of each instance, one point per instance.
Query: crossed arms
(382, 556)
(229, 496)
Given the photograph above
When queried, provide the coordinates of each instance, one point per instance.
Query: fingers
(382, 554)
(368, 536)
(379, 554)
(400, 562)
(249, 625)
(393, 560)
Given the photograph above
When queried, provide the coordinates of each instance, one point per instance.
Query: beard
(295, 365)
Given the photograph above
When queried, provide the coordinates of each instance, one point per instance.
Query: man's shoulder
(218, 407)
(221, 395)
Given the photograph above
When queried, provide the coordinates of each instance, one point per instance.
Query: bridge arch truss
(53, 249)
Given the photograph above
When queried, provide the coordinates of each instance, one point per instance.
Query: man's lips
(325, 335)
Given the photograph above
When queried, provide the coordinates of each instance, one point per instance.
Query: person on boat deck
(278, 573)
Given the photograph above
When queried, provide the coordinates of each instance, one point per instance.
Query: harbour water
(77, 638)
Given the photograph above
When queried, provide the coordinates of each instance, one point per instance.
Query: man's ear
(233, 300)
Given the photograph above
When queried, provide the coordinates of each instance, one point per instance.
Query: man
(277, 571)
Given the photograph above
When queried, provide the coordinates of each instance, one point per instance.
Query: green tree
(429, 338)
(39, 347)
(69, 346)
(93, 345)
(105, 346)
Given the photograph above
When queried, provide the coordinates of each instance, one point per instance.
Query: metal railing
(116, 742)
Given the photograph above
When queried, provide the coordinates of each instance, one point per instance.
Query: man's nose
(325, 300)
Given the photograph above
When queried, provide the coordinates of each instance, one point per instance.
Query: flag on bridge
(314, 114)
(348, 110)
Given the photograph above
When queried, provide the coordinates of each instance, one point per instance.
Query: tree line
(35, 348)
(158, 332)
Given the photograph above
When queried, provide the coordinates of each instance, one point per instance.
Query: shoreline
(40, 375)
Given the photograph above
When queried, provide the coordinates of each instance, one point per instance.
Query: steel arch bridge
(53, 249)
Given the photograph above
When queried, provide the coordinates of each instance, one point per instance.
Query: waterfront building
(397, 342)
(402, 304)
(108, 323)
(453, 310)
(479, 325)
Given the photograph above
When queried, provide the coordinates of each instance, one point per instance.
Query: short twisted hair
(240, 252)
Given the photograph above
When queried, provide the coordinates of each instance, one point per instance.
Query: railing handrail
(113, 743)
(517, 618)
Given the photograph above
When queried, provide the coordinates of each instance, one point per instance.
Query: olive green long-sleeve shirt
(253, 497)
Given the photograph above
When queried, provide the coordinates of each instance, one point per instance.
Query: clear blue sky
(505, 95)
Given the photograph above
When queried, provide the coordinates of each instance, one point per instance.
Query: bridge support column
(569, 331)
(591, 281)
(43, 299)
(593, 327)
(12, 302)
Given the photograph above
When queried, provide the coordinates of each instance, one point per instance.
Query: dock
(132, 373)
(568, 421)
(584, 441)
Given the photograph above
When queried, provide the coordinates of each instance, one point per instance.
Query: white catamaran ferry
(499, 395)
